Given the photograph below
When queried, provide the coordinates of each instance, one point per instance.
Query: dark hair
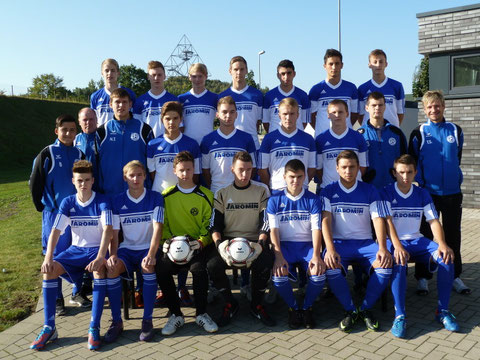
(183, 156)
(120, 93)
(375, 96)
(349, 155)
(332, 53)
(294, 165)
(63, 119)
(172, 106)
(338, 102)
(286, 64)
(405, 159)
(238, 59)
(82, 167)
(377, 52)
(242, 156)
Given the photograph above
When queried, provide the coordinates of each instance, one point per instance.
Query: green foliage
(217, 86)
(420, 83)
(177, 85)
(47, 86)
(134, 78)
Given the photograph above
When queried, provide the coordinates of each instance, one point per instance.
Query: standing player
(199, 104)
(85, 141)
(285, 73)
(90, 218)
(407, 203)
(100, 99)
(188, 211)
(348, 207)
(120, 140)
(333, 87)
(219, 147)
(138, 213)
(437, 148)
(337, 138)
(391, 89)
(294, 216)
(149, 105)
(385, 142)
(284, 144)
(248, 99)
(50, 183)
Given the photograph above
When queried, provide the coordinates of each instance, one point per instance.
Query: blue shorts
(132, 259)
(362, 252)
(421, 250)
(300, 252)
(74, 260)
(65, 240)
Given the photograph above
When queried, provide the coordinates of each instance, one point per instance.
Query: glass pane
(466, 71)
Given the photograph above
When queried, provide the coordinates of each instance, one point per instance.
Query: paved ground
(246, 338)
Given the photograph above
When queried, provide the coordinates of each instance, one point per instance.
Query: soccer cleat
(295, 318)
(422, 287)
(147, 330)
(206, 322)
(446, 318)
(60, 307)
(349, 320)
(261, 314)
(370, 322)
(460, 287)
(308, 318)
(113, 332)
(229, 311)
(81, 300)
(399, 327)
(173, 323)
(94, 341)
(47, 334)
(246, 291)
(185, 298)
(138, 300)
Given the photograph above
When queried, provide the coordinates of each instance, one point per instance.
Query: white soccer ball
(239, 249)
(179, 250)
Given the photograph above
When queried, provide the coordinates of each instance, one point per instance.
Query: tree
(420, 84)
(47, 86)
(134, 78)
(177, 85)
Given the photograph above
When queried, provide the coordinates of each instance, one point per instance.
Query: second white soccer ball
(239, 249)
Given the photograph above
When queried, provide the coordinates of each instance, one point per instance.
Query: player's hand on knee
(112, 262)
(401, 256)
(148, 261)
(332, 259)
(446, 253)
(95, 265)
(384, 258)
(316, 266)
(280, 266)
(47, 266)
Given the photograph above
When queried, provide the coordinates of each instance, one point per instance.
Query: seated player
(407, 203)
(286, 143)
(294, 217)
(138, 213)
(188, 211)
(219, 147)
(348, 206)
(90, 218)
(240, 212)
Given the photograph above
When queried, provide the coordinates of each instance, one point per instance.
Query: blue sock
(314, 288)
(399, 288)
(338, 285)
(182, 279)
(377, 283)
(59, 288)
(284, 288)
(98, 297)
(444, 283)
(114, 291)
(149, 292)
(49, 301)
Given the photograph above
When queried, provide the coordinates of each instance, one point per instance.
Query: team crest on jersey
(194, 211)
(134, 136)
(392, 141)
(450, 139)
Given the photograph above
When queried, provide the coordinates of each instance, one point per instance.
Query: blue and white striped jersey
(100, 102)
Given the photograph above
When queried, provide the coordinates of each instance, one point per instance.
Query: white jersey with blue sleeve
(279, 147)
(352, 209)
(198, 113)
(249, 102)
(148, 108)
(218, 151)
(320, 96)
(100, 103)
(329, 145)
(295, 216)
(272, 100)
(136, 216)
(407, 209)
(160, 154)
(86, 219)
(394, 99)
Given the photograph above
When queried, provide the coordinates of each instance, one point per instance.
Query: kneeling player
(138, 212)
(294, 216)
(90, 218)
(348, 206)
(240, 212)
(188, 211)
(407, 203)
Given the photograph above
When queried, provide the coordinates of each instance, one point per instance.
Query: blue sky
(70, 39)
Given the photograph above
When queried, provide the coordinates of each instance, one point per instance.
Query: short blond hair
(433, 95)
(198, 67)
(289, 101)
(228, 100)
(110, 62)
(133, 164)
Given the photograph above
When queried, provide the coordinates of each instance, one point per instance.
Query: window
(466, 72)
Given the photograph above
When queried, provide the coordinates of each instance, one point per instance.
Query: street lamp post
(260, 53)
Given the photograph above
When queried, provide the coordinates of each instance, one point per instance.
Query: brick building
(451, 40)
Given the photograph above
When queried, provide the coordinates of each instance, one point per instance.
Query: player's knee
(280, 281)
(383, 273)
(333, 274)
(317, 280)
